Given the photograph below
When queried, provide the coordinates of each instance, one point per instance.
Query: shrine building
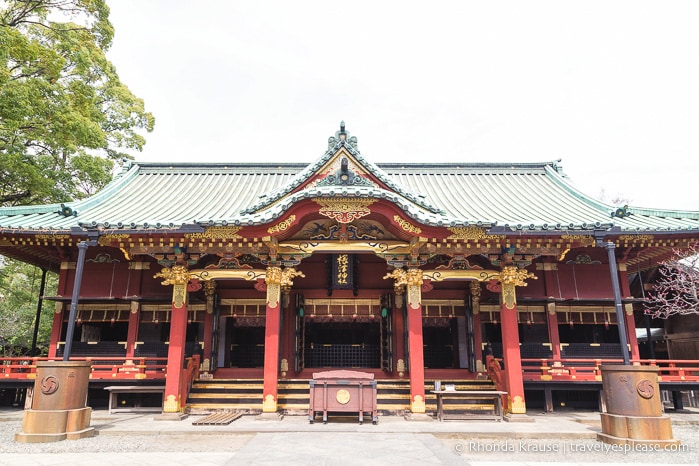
(230, 284)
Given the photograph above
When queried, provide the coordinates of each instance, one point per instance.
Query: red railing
(578, 369)
(103, 367)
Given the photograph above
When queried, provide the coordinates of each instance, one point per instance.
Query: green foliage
(65, 119)
(19, 291)
(65, 116)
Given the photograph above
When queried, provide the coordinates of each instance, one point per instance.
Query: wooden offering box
(343, 391)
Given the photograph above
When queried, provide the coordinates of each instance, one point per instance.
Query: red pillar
(415, 340)
(274, 277)
(178, 276)
(510, 277)
(132, 333)
(417, 360)
(271, 368)
(512, 359)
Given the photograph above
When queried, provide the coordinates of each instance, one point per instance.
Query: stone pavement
(293, 441)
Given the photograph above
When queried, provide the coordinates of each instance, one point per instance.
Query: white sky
(609, 87)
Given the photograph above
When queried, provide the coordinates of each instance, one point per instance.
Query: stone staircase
(393, 396)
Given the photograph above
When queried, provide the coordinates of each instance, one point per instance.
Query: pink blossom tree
(677, 289)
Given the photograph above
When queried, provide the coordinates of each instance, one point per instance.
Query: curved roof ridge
(268, 199)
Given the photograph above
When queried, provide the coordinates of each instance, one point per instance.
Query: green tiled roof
(525, 196)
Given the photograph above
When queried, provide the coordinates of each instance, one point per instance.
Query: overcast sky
(609, 87)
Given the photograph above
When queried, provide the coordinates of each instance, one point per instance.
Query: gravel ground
(482, 450)
(203, 442)
(575, 451)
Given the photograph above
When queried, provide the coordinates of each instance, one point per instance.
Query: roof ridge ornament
(622, 212)
(342, 138)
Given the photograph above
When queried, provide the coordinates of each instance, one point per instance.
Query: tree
(677, 289)
(19, 288)
(65, 117)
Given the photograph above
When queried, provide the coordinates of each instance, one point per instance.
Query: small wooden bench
(494, 395)
(114, 390)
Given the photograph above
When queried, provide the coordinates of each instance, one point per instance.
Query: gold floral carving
(210, 293)
(471, 233)
(511, 277)
(406, 225)
(345, 209)
(636, 238)
(51, 237)
(281, 226)
(216, 233)
(476, 296)
(400, 278)
(106, 240)
(279, 280)
(582, 240)
(178, 276)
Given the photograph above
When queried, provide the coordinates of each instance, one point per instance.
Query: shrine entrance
(342, 344)
(344, 333)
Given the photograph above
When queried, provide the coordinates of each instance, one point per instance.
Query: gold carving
(472, 233)
(106, 240)
(636, 238)
(551, 307)
(400, 278)
(400, 367)
(171, 404)
(281, 226)
(517, 405)
(406, 225)
(269, 405)
(209, 292)
(134, 307)
(279, 280)
(628, 307)
(178, 276)
(216, 233)
(511, 277)
(582, 240)
(514, 276)
(345, 209)
(57, 308)
(418, 405)
(51, 237)
(342, 396)
(475, 296)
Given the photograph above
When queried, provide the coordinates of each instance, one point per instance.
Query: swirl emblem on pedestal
(342, 396)
(645, 388)
(49, 384)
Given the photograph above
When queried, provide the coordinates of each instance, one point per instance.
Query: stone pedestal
(58, 406)
(634, 409)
